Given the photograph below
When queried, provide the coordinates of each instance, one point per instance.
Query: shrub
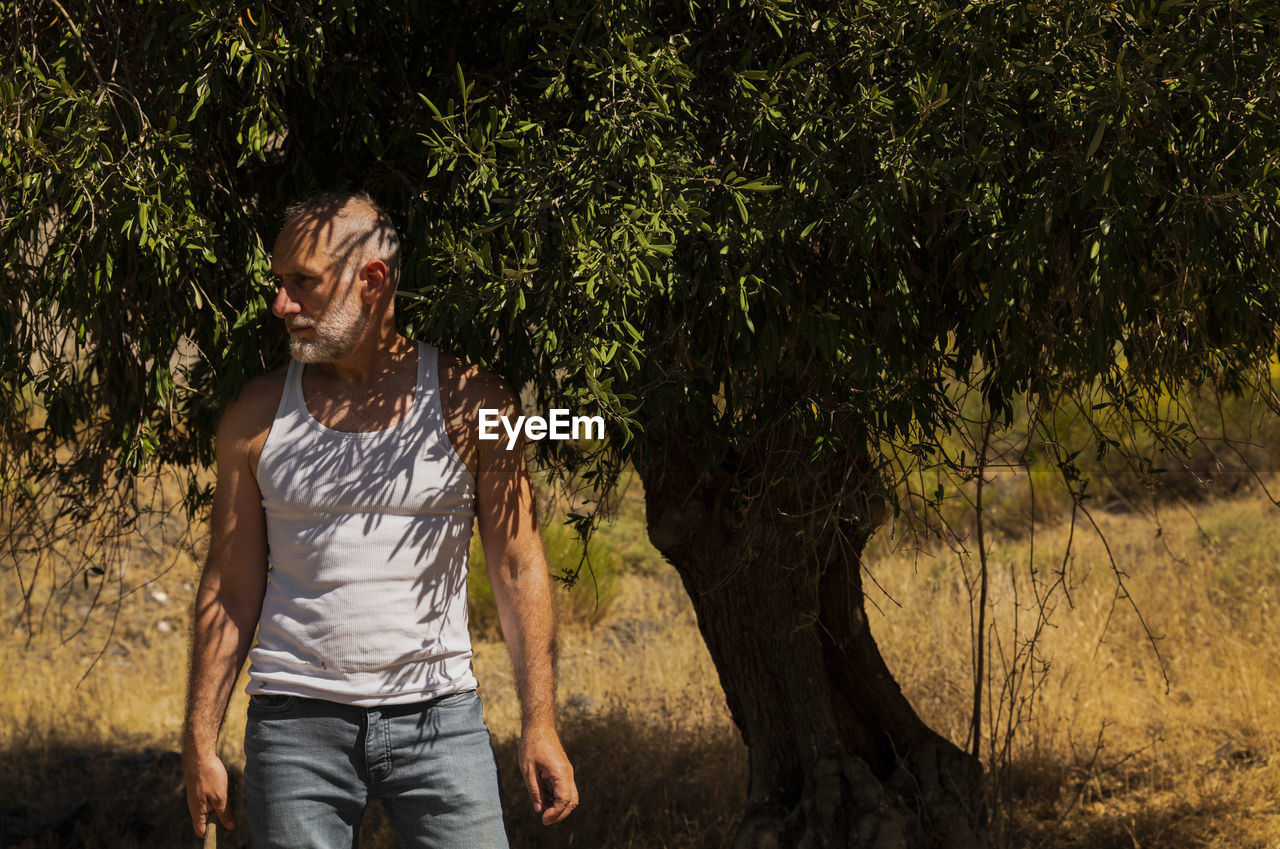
(584, 601)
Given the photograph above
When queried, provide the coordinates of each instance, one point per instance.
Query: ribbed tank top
(367, 533)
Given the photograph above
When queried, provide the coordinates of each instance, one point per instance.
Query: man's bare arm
(522, 593)
(228, 604)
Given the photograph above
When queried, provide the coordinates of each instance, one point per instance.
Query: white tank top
(368, 533)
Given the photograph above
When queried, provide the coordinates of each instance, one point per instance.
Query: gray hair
(358, 228)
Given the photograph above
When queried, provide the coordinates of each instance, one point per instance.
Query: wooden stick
(211, 835)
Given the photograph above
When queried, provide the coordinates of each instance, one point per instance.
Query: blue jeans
(311, 766)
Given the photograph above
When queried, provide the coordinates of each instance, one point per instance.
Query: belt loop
(386, 742)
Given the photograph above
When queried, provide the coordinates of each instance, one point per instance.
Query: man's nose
(284, 304)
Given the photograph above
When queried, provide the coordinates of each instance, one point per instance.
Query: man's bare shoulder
(465, 390)
(471, 387)
(247, 420)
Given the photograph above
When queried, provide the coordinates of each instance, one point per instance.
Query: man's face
(318, 298)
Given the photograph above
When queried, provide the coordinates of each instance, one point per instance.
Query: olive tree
(766, 240)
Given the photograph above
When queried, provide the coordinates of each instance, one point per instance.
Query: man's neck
(372, 359)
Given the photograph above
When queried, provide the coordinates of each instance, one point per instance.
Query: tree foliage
(709, 217)
(773, 243)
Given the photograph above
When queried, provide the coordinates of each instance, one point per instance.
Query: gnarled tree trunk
(838, 757)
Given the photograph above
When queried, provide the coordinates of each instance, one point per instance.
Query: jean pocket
(270, 704)
(453, 699)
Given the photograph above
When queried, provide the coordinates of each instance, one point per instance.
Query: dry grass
(1101, 756)
(1104, 752)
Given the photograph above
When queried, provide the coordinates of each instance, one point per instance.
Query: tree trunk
(838, 757)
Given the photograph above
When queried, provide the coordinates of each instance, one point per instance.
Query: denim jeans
(311, 766)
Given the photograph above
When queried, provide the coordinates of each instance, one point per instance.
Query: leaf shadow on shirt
(376, 525)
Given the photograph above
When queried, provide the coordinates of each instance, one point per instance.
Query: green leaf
(1097, 139)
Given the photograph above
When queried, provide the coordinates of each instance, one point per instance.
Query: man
(356, 472)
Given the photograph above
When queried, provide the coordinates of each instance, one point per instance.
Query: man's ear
(374, 275)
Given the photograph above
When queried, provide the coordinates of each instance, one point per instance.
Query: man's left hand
(548, 775)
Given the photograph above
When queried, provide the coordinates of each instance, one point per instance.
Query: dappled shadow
(1055, 807)
(366, 499)
(382, 519)
(1178, 824)
(649, 783)
(69, 795)
(643, 783)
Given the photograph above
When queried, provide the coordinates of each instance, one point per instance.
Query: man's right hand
(229, 599)
(206, 791)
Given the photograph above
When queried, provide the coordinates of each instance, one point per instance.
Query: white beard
(334, 334)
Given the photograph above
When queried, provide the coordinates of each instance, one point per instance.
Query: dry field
(1091, 746)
